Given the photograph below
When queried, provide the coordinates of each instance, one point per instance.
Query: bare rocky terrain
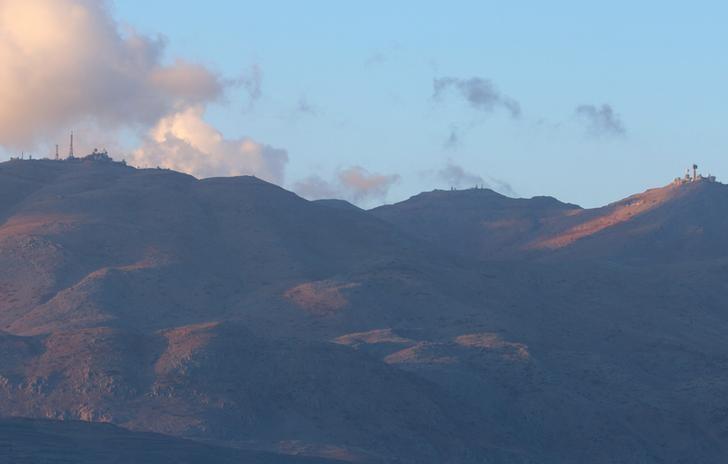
(676, 223)
(231, 316)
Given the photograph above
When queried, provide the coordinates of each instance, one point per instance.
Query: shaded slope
(477, 222)
(26, 441)
(99, 241)
(220, 382)
(678, 222)
(339, 204)
(206, 309)
(588, 365)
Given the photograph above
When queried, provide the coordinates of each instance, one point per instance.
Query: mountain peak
(660, 223)
(486, 224)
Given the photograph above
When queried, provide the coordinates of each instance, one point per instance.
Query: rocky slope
(478, 222)
(233, 312)
(678, 222)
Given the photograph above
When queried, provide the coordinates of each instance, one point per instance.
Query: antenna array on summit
(694, 177)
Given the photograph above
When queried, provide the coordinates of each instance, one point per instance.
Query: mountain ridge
(488, 225)
(233, 312)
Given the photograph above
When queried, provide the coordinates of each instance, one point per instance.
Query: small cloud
(363, 185)
(316, 188)
(501, 186)
(302, 108)
(252, 83)
(453, 140)
(382, 55)
(305, 107)
(375, 58)
(355, 184)
(480, 93)
(455, 176)
(601, 121)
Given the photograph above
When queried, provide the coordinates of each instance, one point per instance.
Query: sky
(375, 101)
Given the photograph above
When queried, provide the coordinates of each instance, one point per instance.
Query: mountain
(333, 203)
(28, 441)
(89, 243)
(219, 382)
(231, 312)
(678, 222)
(478, 222)
(119, 288)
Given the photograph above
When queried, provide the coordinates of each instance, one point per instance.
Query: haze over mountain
(457, 326)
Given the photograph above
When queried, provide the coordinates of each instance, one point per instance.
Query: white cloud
(185, 142)
(65, 62)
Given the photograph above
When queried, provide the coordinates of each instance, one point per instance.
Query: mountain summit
(681, 221)
(477, 222)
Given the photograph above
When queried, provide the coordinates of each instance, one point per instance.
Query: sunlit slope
(681, 221)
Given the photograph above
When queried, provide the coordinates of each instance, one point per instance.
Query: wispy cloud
(600, 120)
(377, 57)
(382, 55)
(363, 185)
(453, 139)
(252, 83)
(454, 175)
(305, 107)
(315, 187)
(481, 94)
(355, 184)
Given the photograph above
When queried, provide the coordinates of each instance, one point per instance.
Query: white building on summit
(694, 177)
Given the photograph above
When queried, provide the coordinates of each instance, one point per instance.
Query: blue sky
(364, 72)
